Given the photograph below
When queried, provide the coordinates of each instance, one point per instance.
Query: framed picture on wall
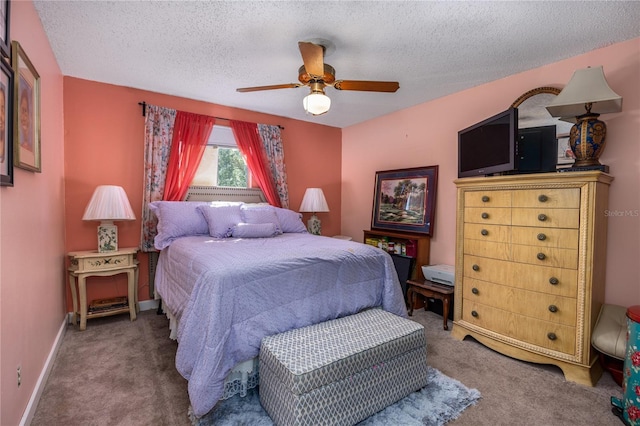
(6, 123)
(26, 118)
(5, 15)
(405, 200)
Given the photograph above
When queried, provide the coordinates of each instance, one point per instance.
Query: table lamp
(314, 202)
(108, 203)
(585, 97)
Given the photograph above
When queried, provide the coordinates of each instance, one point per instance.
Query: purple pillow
(221, 219)
(177, 219)
(290, 221)
(254, 230)
(262, 214)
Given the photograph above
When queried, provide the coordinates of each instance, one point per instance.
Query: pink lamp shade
(108, 203)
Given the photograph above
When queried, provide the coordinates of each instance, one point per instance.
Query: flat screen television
(489, 146)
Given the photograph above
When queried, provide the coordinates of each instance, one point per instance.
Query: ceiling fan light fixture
(316, 103)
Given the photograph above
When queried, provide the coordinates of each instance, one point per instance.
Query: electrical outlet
(19, 376)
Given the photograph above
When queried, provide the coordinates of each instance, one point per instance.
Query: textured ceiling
(205, 50)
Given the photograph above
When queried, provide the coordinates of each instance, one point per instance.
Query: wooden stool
(429, 289)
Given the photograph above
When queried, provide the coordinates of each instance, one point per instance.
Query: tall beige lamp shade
(314, 202)
(584, 98)
(109, 203)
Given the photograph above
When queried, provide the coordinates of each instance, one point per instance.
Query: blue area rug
(442, 400)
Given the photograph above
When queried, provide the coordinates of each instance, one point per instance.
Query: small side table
(91, 263)
(433, 290)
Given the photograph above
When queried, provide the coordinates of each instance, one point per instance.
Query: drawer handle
(553, 308)
(475, 291)
(542, 237)
(475, 268)
(474, 314)
(542, 217)
(485, 215)
(543, 198)
(485, 199)
(541, 256)
(484, 232)
(553, 281)
(552, 336)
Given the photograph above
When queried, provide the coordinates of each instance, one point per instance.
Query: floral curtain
(158, 133)
(190, 135)
(252, 148)
(272, 142)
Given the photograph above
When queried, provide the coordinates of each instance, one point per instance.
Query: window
(222, 163)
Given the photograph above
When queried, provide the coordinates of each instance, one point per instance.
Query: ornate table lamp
(585, 97)
(314, 202)
(107, 204)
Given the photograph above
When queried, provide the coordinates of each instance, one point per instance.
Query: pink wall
(427, 135)
(32, 279)
(104, 131)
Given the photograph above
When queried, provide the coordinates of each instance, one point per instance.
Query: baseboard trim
(30, 411)
(148, 305)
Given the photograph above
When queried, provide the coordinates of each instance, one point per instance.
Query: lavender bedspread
(228, 294)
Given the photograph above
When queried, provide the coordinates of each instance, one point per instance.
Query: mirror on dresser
(532, 112)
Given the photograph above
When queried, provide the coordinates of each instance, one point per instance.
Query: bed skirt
(243, 376)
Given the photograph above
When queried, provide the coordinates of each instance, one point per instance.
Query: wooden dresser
(530, 266)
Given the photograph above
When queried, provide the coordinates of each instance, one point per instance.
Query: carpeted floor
(119, 372)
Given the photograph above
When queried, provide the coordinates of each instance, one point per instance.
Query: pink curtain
(252, 149)
(190, 135)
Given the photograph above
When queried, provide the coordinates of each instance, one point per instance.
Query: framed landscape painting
(405, 200)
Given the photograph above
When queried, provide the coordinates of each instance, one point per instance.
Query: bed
(226, 293)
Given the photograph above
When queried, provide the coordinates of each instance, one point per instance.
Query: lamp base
(107, 237)
(587, 140)
(314, 226)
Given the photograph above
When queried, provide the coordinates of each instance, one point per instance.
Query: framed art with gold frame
(6, 125)
(26, 108)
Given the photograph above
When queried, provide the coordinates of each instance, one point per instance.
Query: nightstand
(429, 289)
(93, 264)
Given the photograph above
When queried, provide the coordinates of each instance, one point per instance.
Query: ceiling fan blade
(275, 86)
(367, 86)
(313, 58)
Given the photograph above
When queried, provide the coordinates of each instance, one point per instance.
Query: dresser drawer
(547, 198)
(553, 336)
(557, 309)
(546, 237)
(490, 249)
(546, 218)
(545, 256)
(496, 216)
(487, 232)
(545, 279)
(487, 198)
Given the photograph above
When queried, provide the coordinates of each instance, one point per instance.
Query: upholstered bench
(341, 371)
(609, 338)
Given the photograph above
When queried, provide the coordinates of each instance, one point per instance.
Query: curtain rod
(143, 104)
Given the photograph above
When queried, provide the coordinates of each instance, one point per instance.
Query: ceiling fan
(318, 75)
